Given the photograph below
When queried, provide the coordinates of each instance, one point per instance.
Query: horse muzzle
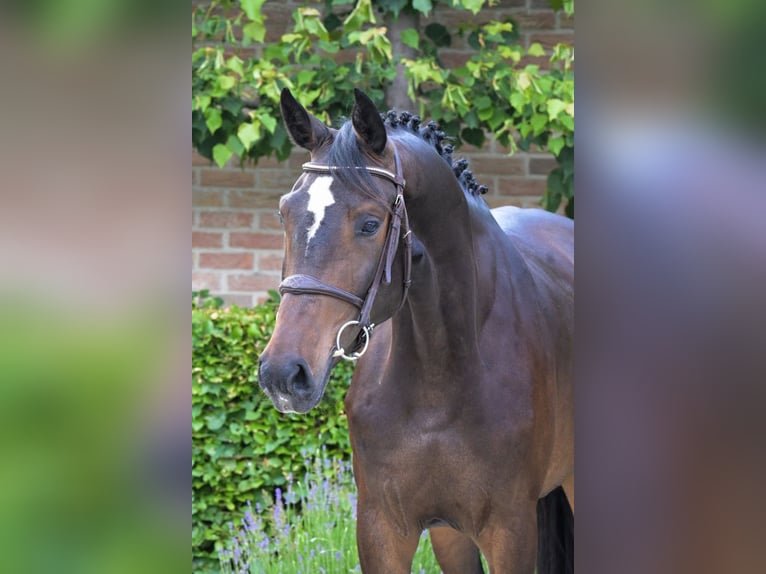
(289, 384)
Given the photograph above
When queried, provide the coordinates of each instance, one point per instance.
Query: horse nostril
(299, 381)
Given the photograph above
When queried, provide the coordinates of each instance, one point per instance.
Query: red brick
(566, 22)
(521, 186)
(253, 199)
(465, 149)
(542, 62)
(253, 282)
(297, 158)
(269, 220)
(270, 162)
(452, 19)
(220, 260)
(495, 165)
(549, 39)
(542, 20)
(197, 159)
(211, 281)
(270, 262)
(541, 165)
(279, 18)
(345, 56)
(227, 219)
(205, 239)
(214, 177)
(206, 198)
(256, 240)
(453, 58)
(281, 180)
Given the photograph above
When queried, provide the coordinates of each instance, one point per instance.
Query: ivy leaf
(536, 50)
(555, 144)
(393, 6)
(423, 6)
(538, 123)
(235, 145)
(221, 154)
(252, 8)
(248, 134)
(411, 38)
(269, 123)
(361, 14)
(569, 209)
(255, 30)
(474, 136)
(472, 5)
(438, 34)
(226, 82)
(555, 107)
(518, 101)
(213, 119)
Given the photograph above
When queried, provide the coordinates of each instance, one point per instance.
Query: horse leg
(568, 486)
(455, 552)
(511, 546)
(383, 548)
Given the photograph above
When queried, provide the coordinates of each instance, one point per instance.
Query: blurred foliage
(81, 490)
(73, 26)
(242, 447)
(235, 99)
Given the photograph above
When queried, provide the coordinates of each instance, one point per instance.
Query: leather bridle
(398, 227)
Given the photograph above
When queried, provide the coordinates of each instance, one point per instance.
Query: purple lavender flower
(249, 522)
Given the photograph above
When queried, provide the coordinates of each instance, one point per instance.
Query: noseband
(398, 227)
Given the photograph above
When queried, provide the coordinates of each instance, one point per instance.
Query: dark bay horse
(461, 406)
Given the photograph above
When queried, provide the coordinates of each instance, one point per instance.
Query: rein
(398, 223)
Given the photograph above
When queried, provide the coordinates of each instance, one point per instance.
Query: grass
(309, 528)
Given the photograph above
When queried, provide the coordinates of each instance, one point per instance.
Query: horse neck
(446, 305)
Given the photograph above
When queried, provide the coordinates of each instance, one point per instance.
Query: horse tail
(555, 534)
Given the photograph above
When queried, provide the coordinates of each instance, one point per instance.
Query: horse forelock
(346, 156)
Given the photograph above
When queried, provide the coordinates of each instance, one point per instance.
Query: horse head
(344, 222)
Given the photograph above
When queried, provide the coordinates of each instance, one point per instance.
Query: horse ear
(305, 130)
(367, 123)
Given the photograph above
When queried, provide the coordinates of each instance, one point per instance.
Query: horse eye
(369, 227)
(281, 219)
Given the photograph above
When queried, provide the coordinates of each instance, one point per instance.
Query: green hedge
(242, 447)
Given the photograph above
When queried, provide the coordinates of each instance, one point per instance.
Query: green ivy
(235, 106)
(242, 447)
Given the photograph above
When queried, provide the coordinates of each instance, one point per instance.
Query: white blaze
(320, 198)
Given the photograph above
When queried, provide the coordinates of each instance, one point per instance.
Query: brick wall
(236, 236)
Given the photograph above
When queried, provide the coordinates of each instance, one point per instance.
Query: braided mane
(345, 152)
(431, 134)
